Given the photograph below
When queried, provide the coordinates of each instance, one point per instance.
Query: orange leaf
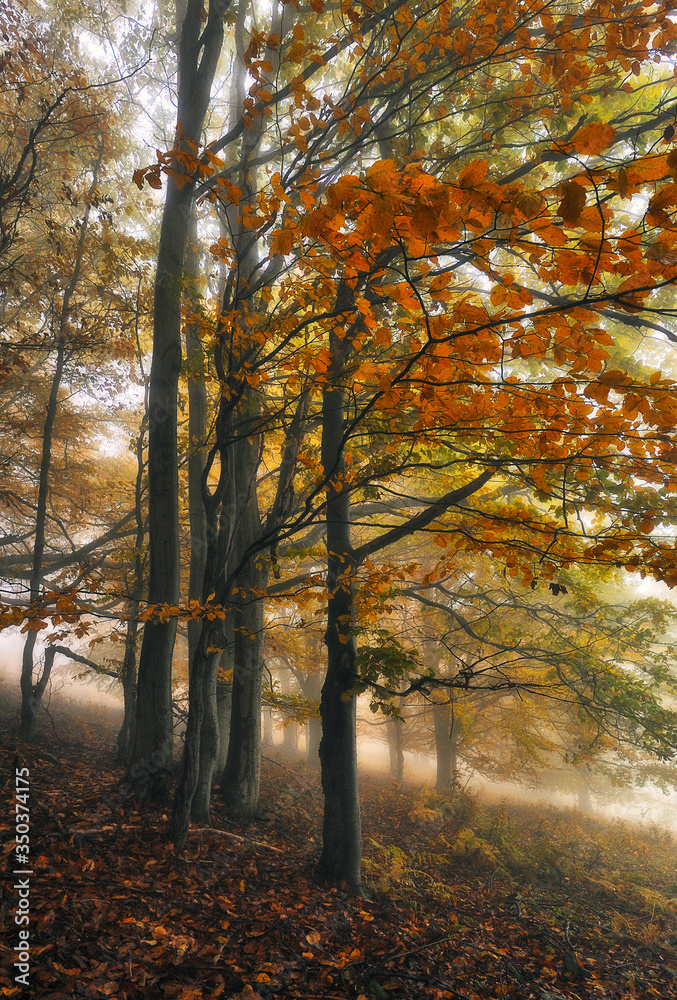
(572, 204)
(473, 174)
(623, 183)
(650, 168)
(593, 138)
(672, 163)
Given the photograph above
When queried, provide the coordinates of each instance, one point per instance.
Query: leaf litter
(467, 899)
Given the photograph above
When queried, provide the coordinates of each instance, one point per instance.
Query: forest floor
(468, 899)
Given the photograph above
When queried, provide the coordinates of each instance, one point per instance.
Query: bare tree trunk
(239, 526)
(446, 745)
(396, 753)
(128, 676)
(233, 519)
(197, 432)
(205, 663)
(341, 858)
(31, 694)
(224, 699)
(314, 740)
(290, 737)
(209, 750)
(128, 680)
(268, 738)
(242, 772)
(150, 775)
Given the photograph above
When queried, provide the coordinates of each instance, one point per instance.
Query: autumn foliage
(409, 346)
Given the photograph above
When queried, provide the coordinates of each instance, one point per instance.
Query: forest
(339, 470)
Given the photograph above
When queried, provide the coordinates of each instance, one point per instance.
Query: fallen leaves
(118, 914)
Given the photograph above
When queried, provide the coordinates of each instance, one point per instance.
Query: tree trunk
(32, 700)
(209, 750)
(446, 745)
(195, 769)
(341, 858)
(241, 629)
(150, 775)
(128, 680)
(290, 737)
(224, 698)
(197, 432)
(31, 694)
(242, 772)
(234, 523)
(268, 738)
(396, 753)
(583, 792)
(314, 739)
(197, 515)
(128, 676)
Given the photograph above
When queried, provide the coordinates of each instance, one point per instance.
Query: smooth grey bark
(241, 777)
(446, 745)
(395, 751)
(198, 54)
(231, 527)
(224, 699)
(267, 737)
(233, 521)
(205, 662)
(341, 848)
(128, 681)
(197, 433)
(209, 749)
(341, 858)
(314, 740)
(128, 673)
(197, 516)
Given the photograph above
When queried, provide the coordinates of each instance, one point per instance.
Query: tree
(199, 47)
(556, 645)
(434, 259)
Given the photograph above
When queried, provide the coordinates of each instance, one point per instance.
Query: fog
(98, 699)
(71, 685)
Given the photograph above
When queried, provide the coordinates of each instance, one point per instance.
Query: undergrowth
(613, 876)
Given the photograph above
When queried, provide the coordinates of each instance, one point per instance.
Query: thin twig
(76, 832)
(414, 951)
